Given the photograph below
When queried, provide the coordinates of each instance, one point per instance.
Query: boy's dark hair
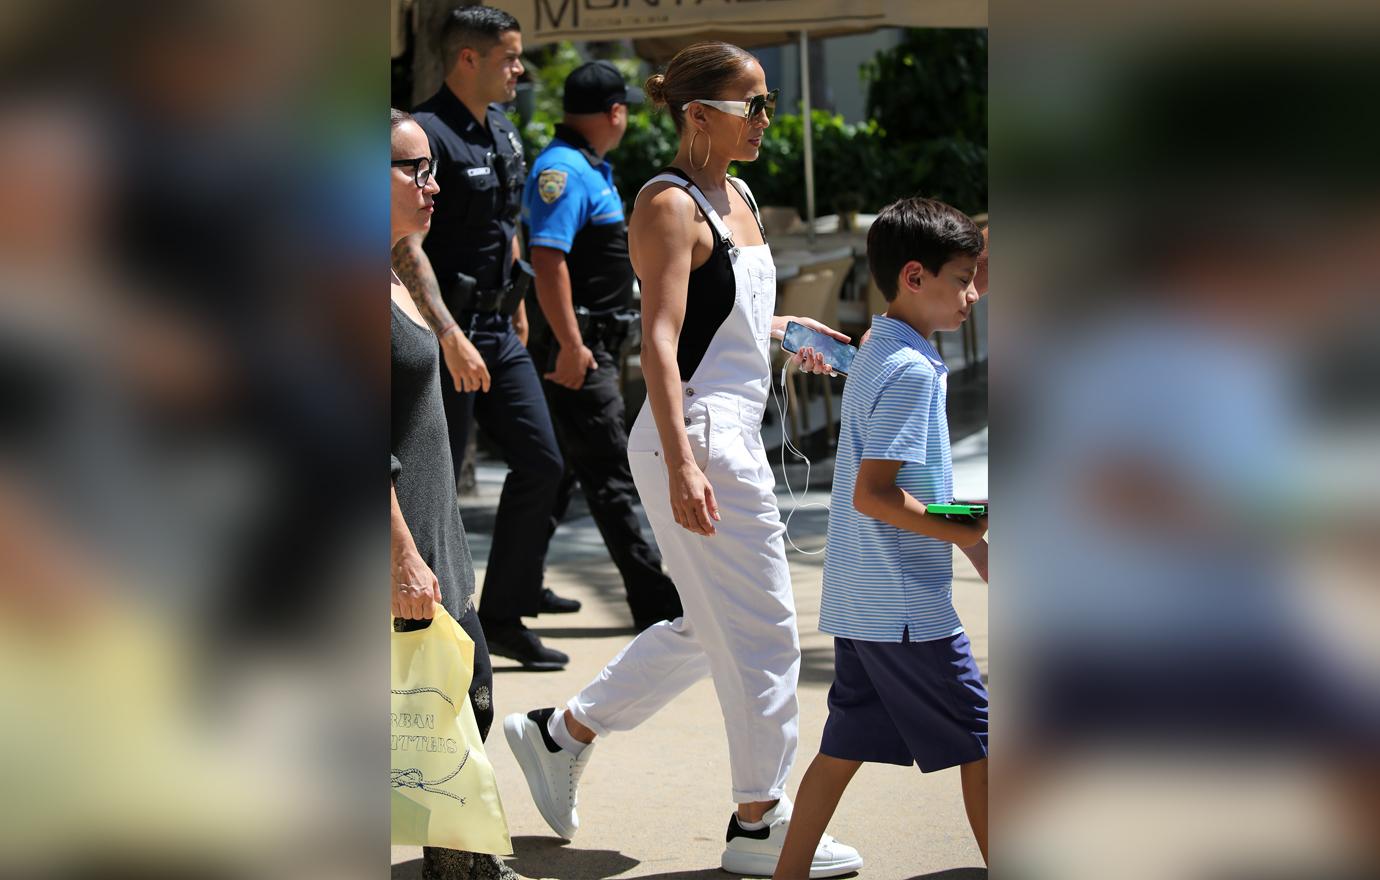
(473, 27)
(929, 232)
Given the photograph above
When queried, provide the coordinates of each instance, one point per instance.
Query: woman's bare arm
(664, 241)
(661, 242)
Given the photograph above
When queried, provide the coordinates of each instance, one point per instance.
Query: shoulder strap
(742, 187)
(715, 221)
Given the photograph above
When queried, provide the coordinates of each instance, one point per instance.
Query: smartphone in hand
(837, 355)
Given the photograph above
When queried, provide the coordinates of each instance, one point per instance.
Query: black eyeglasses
(422, 169)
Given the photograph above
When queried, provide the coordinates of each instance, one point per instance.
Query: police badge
(550, 185)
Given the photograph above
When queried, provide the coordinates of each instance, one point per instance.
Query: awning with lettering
(666, 25)
(660, 28)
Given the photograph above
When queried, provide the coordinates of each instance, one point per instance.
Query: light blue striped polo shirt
(878, 579)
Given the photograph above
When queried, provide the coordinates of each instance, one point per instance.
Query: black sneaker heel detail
(542, 717)
(736, 830)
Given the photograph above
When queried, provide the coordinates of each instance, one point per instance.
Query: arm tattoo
(416, 274)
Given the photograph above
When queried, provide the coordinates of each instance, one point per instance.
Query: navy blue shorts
(907, 702)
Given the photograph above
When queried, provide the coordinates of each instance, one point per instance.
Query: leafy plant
(849, 161)
(649, 145)
(550, 66)
(926, 133)
(650, 141)
(929, 97)
(848, 200)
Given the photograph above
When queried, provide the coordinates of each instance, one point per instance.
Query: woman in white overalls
(708, 296)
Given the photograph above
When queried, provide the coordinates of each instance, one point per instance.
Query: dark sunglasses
(763, 104)
(747, 109)
(422, 169)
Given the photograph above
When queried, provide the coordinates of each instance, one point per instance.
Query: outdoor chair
(813, 293)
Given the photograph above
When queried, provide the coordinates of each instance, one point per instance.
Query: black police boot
(553, 604)
(516, 642)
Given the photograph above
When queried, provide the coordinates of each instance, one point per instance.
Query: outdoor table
(792, 258)
(827, 235)
(855, 242)
(801, 259)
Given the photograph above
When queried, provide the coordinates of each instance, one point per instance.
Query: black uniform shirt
(480, 170)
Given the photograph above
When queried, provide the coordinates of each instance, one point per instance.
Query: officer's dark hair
(927, 231)
(473, 27)
(701, 70)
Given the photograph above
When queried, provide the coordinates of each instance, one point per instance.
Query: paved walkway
(654, 802)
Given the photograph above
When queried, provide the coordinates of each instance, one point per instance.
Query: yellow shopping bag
(444, 792)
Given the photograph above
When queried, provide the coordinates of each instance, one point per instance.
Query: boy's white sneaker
(553, 774)
(755, 852)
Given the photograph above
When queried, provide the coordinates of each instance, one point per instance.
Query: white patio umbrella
(662, 27)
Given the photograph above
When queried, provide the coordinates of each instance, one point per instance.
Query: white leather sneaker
(553, 774)
(755, 853)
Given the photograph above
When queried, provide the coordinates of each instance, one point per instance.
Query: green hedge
(929, 96)
(649, 143)
(926, 135)
(851, 169)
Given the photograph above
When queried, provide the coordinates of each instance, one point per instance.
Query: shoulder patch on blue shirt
(550, 185)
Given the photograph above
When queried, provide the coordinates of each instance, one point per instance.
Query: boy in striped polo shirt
(906, 688)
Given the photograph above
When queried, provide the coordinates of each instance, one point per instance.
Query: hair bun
(655, 88)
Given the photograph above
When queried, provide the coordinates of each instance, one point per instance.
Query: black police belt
(612, 329)
(466, 297)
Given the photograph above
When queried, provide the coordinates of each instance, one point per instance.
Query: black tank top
(709, 297)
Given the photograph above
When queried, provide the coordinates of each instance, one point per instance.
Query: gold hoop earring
(708, 145)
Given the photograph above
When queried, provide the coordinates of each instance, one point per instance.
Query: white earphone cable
(786, 444)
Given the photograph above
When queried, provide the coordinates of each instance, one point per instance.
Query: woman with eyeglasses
(430, 558)
(708, 297)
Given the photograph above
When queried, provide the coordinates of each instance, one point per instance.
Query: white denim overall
(739, 623)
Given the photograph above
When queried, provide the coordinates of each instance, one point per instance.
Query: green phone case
(957, 509)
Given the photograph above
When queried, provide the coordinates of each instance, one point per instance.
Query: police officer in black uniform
(469, 284)
(584, 284)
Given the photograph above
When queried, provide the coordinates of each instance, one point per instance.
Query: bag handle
(438, 612)
(442, 625)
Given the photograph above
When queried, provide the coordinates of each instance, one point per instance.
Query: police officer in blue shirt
(469, 284)
(584, 284)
